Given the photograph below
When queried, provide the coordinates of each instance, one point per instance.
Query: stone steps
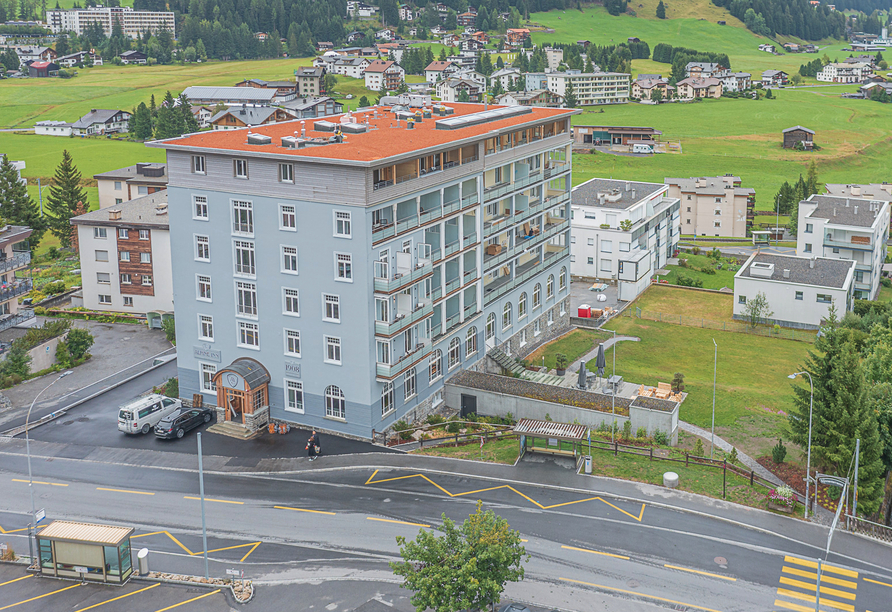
(511, 366)
(233, 430)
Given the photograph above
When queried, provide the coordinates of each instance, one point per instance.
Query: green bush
(602, 427)
(170, 329)
(886, 282)
(627, 430)
(400, 427)
(695, 250)
(641, 433)
(732, 458)
(779, 451)
(698, 448)
(54, 288)
(63, 357)
(172, 388)
(40, 311)
(661, 437)
(79, 342)
(434, 419)
(453, 427)
(17, 362)
(686, 281)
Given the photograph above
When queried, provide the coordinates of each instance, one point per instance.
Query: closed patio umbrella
(580, 382)
(601, 361)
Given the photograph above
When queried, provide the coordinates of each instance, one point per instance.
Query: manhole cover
(633, 584)
(721, 562)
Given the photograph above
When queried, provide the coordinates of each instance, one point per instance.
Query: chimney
(114, 214)
(628, 186)
(847, 202)
(786, 274)
(834, 211)
(303, 129)
(811, 262)
(856, 190)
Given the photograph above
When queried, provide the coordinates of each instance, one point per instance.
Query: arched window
(562, 279)
(471, 342)
(522, 306)
(491, 326)
(335, 406)
(387, 398)
(549, 287)
(436, 360)
(537, 296)
(454, 352)
(506, 316)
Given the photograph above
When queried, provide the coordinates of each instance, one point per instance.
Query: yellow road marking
(15, 580)
(780, 603)
(124, 491)
(188, 601)
(102, 603)
(372, 480)
(253, 548)
(52, 484)
(867, 579)
(693, 571)
(254, 544)
(814, 576)
(595, 552)
(824, 602)
(521, 539)
(73, 586)
(219, 501)
(13, 530)
(636, 593)
(143, 535)
(824, 567)
(303, 510)
(812, 587)
(371, 518)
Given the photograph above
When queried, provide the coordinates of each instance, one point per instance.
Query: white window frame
(549, 287)
(146, 280)
(489, 332)
(128, 300)
(327, 300)
(200, 241)
(199, 164)
(145, 258)
(210, 368)
(243, 328)
(288, 261)
(410, 387)
(522, 306)
(144, 234)
(471, 342)
(329, 342)
(342, 220)
(435, 365)
(294, 388)
(205, 322)
(100, 259)
(247, 246)
(287, 217)
(507, 316)
(290, 296)
(537, 296)
(249, 289)
(240, 168)
(126, 279)
(105, 298)
(103, 278)
(453, 356)
(100, 233)
(291, 334)
(348, 270)
(242, 227)
(286, 173)
(200, 281)
(123, 233)
(329, 406)
(388, 399)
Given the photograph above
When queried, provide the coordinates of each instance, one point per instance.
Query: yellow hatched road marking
(824, 567)
(371, 518)
(693, 571)
(15, 580)
(253, 548)
(13, 530)
(52, 484)
(303, 510)
(124, 491)
(219, 501)
(102, 603)
(595, 552)
(254, 545)
(188, 601)
(637, 594)
(73, 586)
(824, 602)
(814, 576)
(811, 587)
(886, 584)
(780, 603)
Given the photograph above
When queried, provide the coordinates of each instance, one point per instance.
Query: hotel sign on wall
(207, 354)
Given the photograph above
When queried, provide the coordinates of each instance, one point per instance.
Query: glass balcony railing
(400, 279)
(18, 260)
(403, 321)
(7, 321)
(389, 370)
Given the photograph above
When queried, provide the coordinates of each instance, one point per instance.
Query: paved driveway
(580, 294)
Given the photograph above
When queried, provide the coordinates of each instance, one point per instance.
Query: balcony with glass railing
(390, 370)
(14, 289)
(404, 319)
(18, 260)
(11, 320)
(390, 278)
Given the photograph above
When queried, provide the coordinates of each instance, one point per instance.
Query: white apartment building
(592, 88)
(845, 73)
(134, 23)
(846, 228)
(714, 206)
(622, 231)
(799, 290)
(125, 256)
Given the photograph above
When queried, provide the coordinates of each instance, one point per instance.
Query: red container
(585, 311)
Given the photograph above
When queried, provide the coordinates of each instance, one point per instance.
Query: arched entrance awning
(242, 388)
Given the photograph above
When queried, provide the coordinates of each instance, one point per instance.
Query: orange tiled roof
(379, 66)
(376, 144)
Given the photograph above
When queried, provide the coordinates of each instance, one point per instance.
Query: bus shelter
(86, 551)
(550, 437)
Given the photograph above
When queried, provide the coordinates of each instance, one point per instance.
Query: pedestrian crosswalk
(798, 586)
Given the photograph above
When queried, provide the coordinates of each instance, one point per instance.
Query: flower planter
(780, 507)
(561, 372)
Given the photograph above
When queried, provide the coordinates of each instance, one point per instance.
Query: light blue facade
(434, 260)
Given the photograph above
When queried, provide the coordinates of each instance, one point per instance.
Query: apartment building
(134, 23)
(388, 257)
(592, 88)
(714, 206)
(867, 191)
(125, 256)
(693, 88)
(309, 81)
(125, 184)
(15, 256)
(384, 76)
(845, 73)
(846, 228)
(622, 231)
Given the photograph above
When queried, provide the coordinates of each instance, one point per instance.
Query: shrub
(732, 458)
(39, 311)
(63, 356)
(627, 430)
(602, 427)
(172, 388)
(53, 252)
(683, 263)
(561, 361)
(508, 419)
(79, 342)
(779, 452)
(170, 329)
(400, 427)
(54, 288)
(453, 427)
(698, 448)
(434, 419)
(641, 433)
(678, 382)
(695, 250)
(885, 282)
(686, 281)
(661, 437)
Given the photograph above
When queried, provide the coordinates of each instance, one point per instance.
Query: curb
(198, 583)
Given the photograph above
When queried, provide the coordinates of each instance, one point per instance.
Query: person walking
(313, 446)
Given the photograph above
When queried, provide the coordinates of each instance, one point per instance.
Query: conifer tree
(141, 122)
(661, 10)
(16, 206)
(570, 96)
(63, 198)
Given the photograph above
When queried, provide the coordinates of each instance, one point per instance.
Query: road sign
(2, 547)
(233, 572)
(80, 570)
(41, 514)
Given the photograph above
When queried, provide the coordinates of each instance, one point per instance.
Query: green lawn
(713, 306)
(574, 345)
(885, 294)
(721, 279)
(752, 390)
(496, 451)
(91, 155)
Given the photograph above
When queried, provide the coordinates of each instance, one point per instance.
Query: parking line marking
(52, 484)
(827, 603)
(812, 587)
(595, 552)
(188, 601)
(102, 603)
(637, 594)
(303, 510)
(219, 501)
(886, 584)
(371, 518)
(814, 576)
(824, 566)
(693, 571)
(15, 580)
(73, 586)
(124, 491)
(253, 548)
(254, 544)
(143, 535)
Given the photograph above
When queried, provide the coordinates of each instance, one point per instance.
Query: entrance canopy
(243, 374)
(243, 392)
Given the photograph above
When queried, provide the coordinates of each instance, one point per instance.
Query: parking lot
(20, 591)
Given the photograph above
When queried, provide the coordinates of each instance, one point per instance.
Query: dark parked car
(177, 424)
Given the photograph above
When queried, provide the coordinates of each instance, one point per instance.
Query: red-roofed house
(383, 76)
(437, 71)
(516, 36)
(43, 69)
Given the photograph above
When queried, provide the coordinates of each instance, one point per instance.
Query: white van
(642, 148)
(142, 414)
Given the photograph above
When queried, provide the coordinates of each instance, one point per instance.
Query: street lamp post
(715, 364)
(811, 405)
(28, 453)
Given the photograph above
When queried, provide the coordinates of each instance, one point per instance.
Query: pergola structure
(549, 437)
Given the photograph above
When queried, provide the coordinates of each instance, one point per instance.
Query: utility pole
(855, 490)
(40, 196)
(715, 365)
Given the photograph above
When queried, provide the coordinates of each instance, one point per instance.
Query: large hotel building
(334, 272)
(134, 23)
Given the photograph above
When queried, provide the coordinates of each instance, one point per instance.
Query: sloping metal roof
(108, 535)
(249, 369)
(550, 429)
(245, 94)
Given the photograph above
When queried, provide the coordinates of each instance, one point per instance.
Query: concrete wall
(44, 355)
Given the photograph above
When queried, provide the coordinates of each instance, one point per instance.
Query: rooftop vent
(856, 190)
(161, 209)
(786, 274)
(761, 269)
(354, 128)
(114, 214)
(811, 262)
(325, 126)
(259, 139)
(496, 114)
